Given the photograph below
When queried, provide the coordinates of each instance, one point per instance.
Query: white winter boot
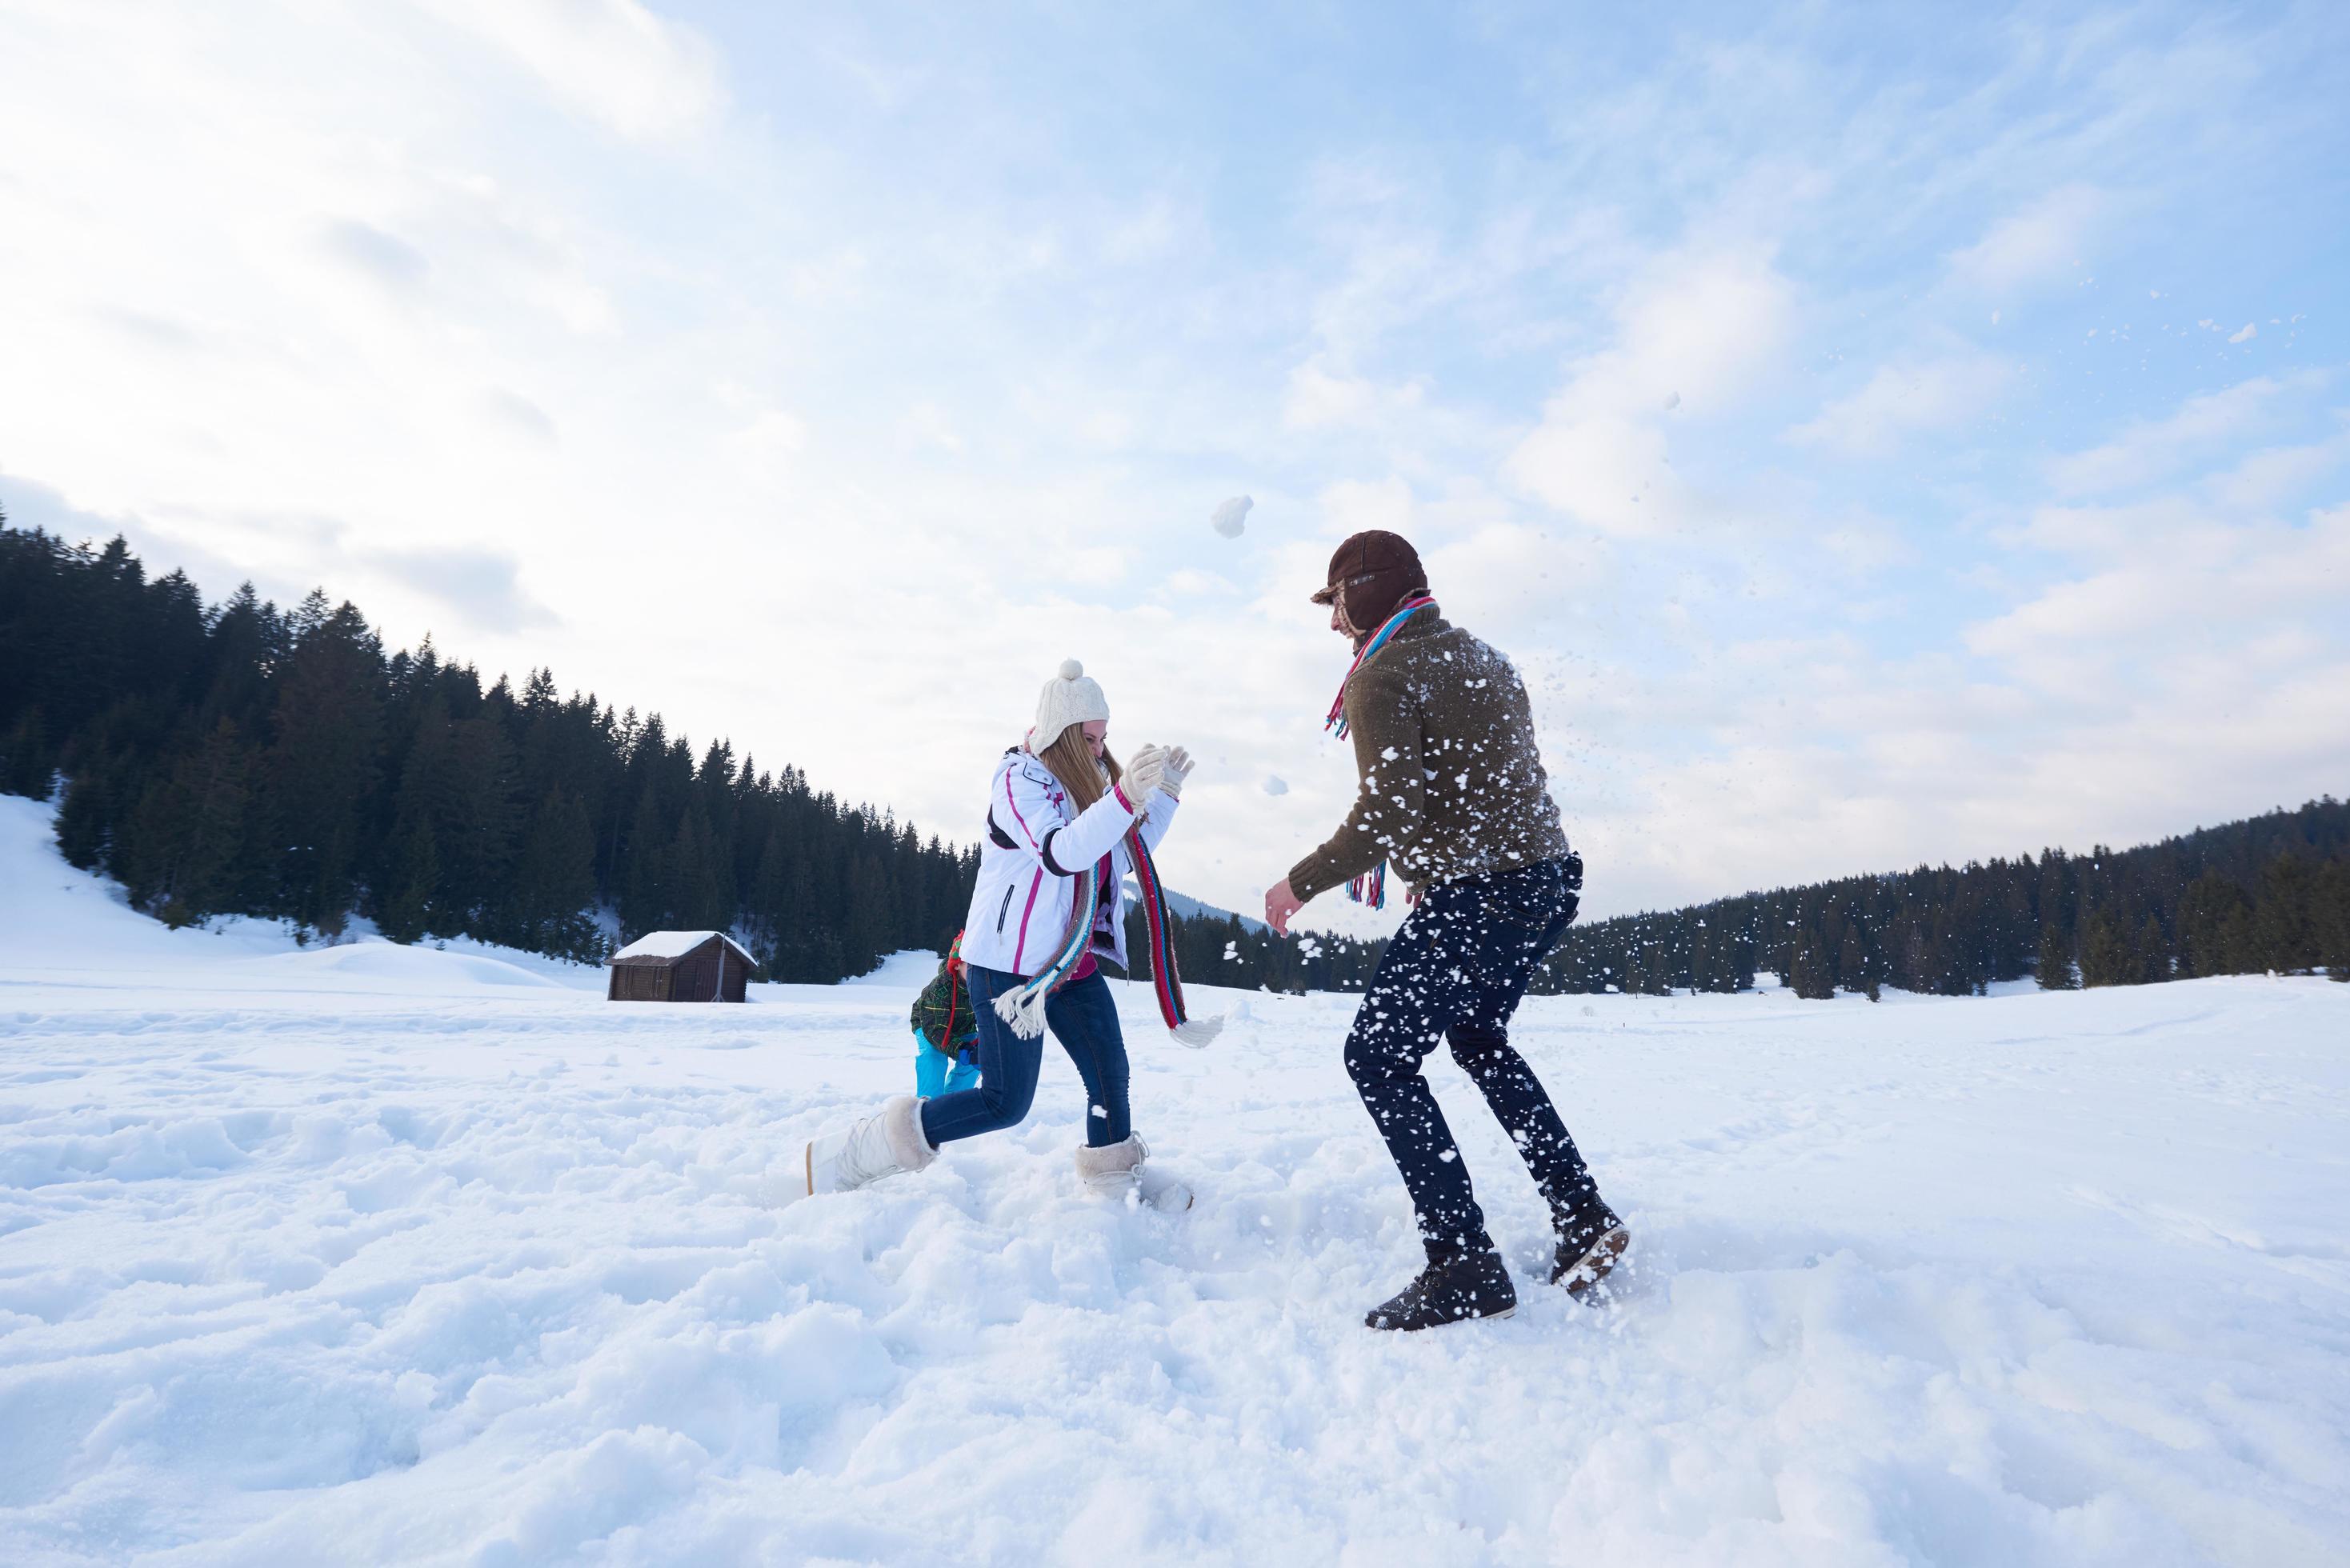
(886, 1143)
(1117, 1173)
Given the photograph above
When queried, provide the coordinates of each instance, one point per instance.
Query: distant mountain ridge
(1191, 909)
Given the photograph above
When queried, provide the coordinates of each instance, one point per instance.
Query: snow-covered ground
(372, 1254)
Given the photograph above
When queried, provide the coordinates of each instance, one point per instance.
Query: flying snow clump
(1275, 784)
(1231, 516)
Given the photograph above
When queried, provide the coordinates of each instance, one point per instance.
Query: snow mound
(910, 969)
(419, 967)
(53, 918)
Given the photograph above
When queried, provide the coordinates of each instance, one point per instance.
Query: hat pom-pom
(1071, 669)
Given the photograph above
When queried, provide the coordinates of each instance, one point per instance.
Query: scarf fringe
(1024, 1009)
(1197, 1032)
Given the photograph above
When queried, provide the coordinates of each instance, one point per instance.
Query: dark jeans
(1456, 972)
(1082, 1018)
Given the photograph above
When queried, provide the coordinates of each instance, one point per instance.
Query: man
(1454, 795)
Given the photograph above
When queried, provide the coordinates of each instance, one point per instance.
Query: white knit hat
(1072, 697)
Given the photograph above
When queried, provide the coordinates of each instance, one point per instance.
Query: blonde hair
(1067, 760)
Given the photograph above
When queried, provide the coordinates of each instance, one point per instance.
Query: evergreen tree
(414, 908)
(2054, 964)
(2282, 928)
(2214, 936)
(2329, 907)
(185, 845)
(1811, 974)
(554, 887)
(84, 822)
(323, 762)
(646, 900)
(27, 766)
(2107, 957)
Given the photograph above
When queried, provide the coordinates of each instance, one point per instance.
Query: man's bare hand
(1280, 904)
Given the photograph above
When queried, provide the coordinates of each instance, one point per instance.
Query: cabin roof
(673, 945)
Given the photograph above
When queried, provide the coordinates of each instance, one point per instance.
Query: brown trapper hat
(1375, 571)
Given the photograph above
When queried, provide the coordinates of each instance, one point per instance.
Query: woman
(1066, 826)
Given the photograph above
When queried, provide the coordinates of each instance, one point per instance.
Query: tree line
(238, 759)
(242, 758)
(2270, 893)
(1211, 951)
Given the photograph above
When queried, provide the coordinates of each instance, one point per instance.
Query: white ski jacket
(1030, 855)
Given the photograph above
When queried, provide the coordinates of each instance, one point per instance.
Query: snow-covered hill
(374, 1254)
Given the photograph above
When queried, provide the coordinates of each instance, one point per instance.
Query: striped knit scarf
(1371, 887)
(1024, 1007)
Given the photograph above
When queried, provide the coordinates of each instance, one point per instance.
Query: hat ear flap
(1346, 617)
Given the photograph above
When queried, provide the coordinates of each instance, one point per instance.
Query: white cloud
(2199, 568)
(1352, 505)
(768, 445)
(2046, 241)
(387, 258)
(2276, 475)
(1903, 399)
(1191, 582)
(1318, 399)
(519, 414)
(1611, 473)
(1704, 327)
(2149, 450)
(611, 60)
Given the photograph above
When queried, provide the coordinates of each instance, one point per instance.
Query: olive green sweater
(1452, 782)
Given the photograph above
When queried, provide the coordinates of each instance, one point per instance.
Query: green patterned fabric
(942, 1014)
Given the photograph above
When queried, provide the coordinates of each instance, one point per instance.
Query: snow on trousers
(1456, 972)
(1082, 1018)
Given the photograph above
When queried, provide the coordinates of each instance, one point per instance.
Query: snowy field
(371, 1254)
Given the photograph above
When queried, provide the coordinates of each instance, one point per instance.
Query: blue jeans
(1455, 973)
(936, 1073)
(1082, 1018)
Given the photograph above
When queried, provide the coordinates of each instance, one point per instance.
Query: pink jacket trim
(1020, 951)
(1022, 821)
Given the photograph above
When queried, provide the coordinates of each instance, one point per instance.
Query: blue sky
(1880, 436)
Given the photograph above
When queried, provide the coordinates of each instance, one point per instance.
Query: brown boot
(1589, 1245)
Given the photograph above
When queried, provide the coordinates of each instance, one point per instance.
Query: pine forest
(240, 759)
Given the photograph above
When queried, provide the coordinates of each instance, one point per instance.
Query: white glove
(1145, 771)
(1178, 768)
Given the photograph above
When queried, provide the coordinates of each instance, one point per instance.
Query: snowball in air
(1275, 784)
(1672, 401)
(1231, 516)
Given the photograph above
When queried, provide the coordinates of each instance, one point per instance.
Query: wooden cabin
(680, 966)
